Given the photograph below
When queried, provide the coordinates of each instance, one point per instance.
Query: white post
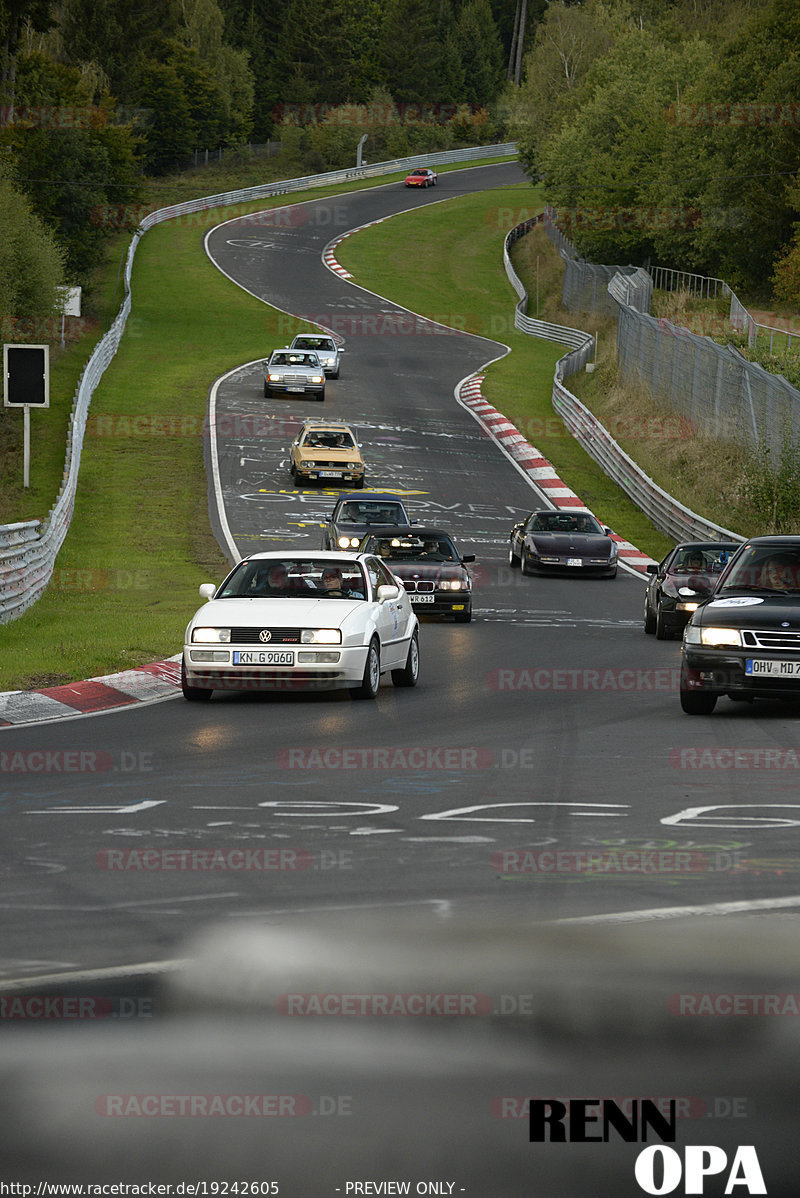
(26, 468)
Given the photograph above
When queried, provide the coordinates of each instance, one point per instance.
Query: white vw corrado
(301, 621)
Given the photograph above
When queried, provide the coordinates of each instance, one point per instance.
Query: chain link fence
(725, 396)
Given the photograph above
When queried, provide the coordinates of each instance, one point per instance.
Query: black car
(744, 641)
(431, 569)
(562, 542)
(352, 519)
(693, 566)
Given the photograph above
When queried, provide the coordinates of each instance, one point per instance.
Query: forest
(663, 130)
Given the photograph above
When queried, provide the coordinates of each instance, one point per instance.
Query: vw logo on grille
(265, 635)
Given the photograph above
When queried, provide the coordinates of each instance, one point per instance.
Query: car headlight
(211, 636)
(542, 558)
(720, 636)
(306, 465)
(274, 378)
(321, 636)
(687, 606)
(451, 584)
(317, 378)
(348, 542)
(353, 465)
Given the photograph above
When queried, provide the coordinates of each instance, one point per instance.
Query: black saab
(744, 642)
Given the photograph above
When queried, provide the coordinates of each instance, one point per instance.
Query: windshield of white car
(315, 343)
(311, 578)
(412, 549)
(299, 359)
(371, 513)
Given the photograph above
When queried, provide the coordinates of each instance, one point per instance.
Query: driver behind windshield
(780, 573)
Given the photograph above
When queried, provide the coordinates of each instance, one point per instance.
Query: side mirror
(413, 522)
(207, 591)
(607, 531)
(468, 557)
(652, 568)
(386, 592)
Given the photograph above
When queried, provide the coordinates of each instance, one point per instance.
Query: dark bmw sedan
(563, 543)
(430, 567)
(693, 566)
(744, 642)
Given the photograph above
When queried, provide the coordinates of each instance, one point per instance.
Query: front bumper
(440, 603)
(674, 619)
(724, 671)
(561, 567)
(295, 388)
(212, 667)
(328, 474)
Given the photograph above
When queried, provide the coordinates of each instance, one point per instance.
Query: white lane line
(743, 907)
(134, 903)
(215, 475)
(107, 973)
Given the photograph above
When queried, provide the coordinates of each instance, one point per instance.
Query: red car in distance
(421, 177)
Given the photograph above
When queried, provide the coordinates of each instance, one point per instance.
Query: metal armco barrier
(28, 551)
(633, 288)
(575, 338)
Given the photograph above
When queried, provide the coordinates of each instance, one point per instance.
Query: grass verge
(464, 284)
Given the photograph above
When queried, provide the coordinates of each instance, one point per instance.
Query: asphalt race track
(542, 771)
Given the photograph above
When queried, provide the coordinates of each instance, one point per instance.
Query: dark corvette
(691, 566)
(431, 569)
(744, 642)
(562, 542)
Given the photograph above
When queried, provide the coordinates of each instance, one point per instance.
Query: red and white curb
(328, 256)
(533, 463)
(146, 684)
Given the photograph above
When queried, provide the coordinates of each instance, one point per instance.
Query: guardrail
(575, 338)
(27, 559)
(666, 512)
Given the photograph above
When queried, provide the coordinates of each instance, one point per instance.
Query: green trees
(669, 130)
(31, 263)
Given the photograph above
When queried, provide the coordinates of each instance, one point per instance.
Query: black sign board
(26, 376)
